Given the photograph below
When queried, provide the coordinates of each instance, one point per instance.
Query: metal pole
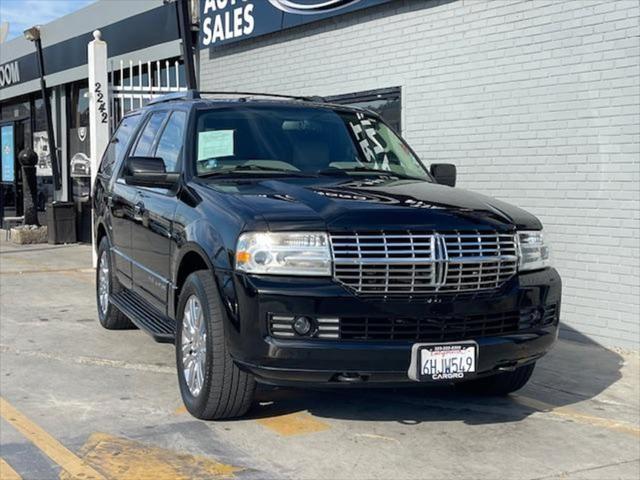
(184, 25)
(55, 168)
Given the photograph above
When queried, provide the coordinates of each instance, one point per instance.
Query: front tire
(107, 284)
(211, 385)
(500, 384)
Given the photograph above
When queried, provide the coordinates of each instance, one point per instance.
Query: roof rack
(261, 94)
(197, 94)
(169, 97)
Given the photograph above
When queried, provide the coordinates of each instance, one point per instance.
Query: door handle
(138, 209)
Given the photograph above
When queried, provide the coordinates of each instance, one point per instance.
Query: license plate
(443, 361)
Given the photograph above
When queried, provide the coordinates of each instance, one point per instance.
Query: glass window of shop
(14, 110)
(15, 122)
(79, 156)
(44, 171)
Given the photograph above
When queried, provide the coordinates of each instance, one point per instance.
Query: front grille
(444, 329)
(414, 264)
(428, 329)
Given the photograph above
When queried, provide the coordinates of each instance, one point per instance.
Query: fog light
(534, 316)
(302, 326)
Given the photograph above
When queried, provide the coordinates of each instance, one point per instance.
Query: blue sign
(227, 21)
(8, 154)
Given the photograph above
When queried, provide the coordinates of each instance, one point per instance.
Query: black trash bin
(61, 222)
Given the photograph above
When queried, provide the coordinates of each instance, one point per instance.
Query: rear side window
(149, 133)
(118, 144)
(170, 143)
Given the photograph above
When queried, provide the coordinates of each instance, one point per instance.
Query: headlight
(301, 253)
(534, 252)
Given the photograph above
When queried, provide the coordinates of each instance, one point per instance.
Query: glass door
(78, 159)
(7, 170)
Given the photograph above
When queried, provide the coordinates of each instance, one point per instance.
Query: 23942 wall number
(100, 102)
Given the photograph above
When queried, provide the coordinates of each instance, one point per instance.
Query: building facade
(536, 102)
(144, 61)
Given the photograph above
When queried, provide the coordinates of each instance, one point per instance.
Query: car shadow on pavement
(572, 372)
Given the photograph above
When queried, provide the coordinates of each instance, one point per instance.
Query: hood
(365, 203)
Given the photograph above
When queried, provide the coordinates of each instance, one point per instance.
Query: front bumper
(250, 300)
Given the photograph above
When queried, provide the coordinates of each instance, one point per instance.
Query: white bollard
(98, 112)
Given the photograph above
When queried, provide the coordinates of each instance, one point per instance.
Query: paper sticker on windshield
(215, 144)
(370, 144)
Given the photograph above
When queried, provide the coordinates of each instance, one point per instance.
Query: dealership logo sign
(226, 21)
(9, 74)
(311, 7)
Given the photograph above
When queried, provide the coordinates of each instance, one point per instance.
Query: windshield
(300, 140)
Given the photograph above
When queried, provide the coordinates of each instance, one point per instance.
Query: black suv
(293, 242)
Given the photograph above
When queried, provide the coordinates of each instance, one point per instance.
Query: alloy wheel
(103, 283)
(194, 345)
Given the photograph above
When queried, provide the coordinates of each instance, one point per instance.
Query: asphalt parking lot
(81, 402)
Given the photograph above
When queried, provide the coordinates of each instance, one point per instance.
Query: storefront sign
(9, 74)
(226, 21)
(80, 152)
(8, 154)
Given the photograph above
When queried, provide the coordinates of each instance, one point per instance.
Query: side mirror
(444, 173)
(149, 172)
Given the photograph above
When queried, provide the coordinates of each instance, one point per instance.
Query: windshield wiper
(346, 171)
(254, 168)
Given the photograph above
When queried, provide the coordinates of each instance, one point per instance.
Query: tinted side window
(118, 144)
(170, 143)
(145, 140)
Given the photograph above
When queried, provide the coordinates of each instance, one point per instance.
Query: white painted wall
(536, 102)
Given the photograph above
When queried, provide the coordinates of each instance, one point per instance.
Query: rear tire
(106, 285)
(501, 384)
(218, 389)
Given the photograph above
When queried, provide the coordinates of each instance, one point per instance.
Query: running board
(145, 316)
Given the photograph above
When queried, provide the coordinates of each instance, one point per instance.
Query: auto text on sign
(226, 19)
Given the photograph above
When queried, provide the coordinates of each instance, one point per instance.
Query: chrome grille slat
(383, 261)
(386, 283)
(499, 263)
(383, 253)
(414, 263)
(359, 262)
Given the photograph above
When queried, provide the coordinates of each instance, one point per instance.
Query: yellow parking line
(294, 424)
(577, 416)
(6, 472)
(124, 459)
(47, 444)
(181, 410)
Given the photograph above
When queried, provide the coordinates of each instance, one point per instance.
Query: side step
(145, 316)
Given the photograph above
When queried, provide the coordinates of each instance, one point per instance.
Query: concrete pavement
(81, 402)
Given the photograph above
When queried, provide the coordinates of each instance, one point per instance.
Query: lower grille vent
(427, 329)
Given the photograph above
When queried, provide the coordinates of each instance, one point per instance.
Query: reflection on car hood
(369, 203)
